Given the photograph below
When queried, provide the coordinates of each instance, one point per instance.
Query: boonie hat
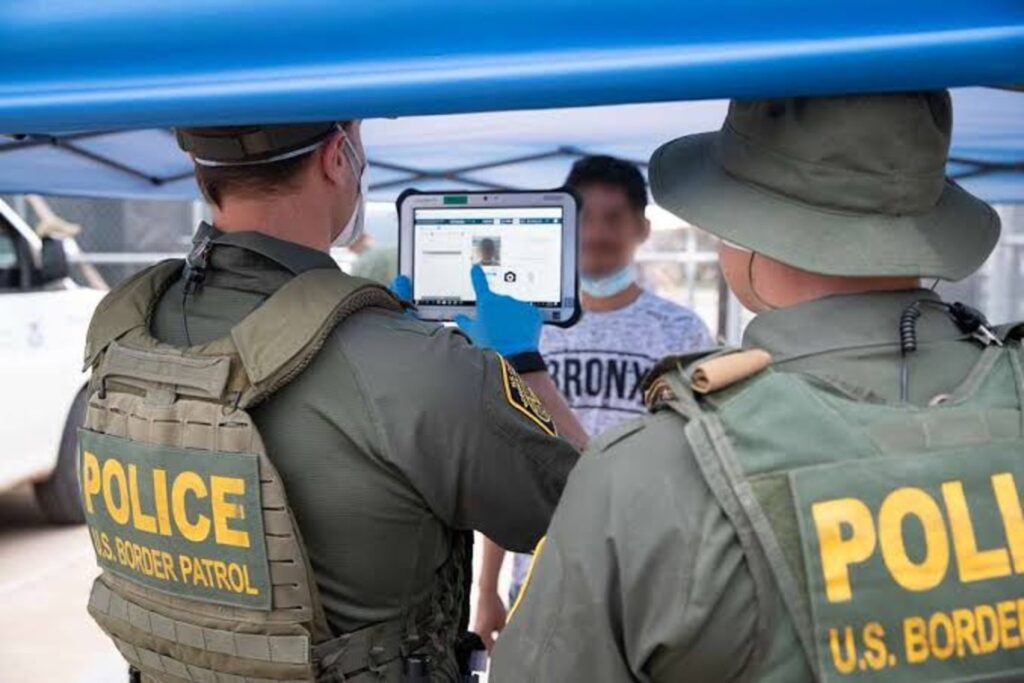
(251, 145)
(851, 185)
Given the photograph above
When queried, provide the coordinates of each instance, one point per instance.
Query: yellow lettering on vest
(876, 655)
(941, 620)
(1020, 621)
(158, 567)
(915, 640)
(131, 551)
(142, 521)
(210, 568)
(838, 553)
(164, 569)
(1007, 611)
(930, 571)
(168, 562)
(185, 483)
(105, 544)
(988, 628)
(163, 515)
(847, 664)
(973, 564)
(122, 554)
(113, 473)
(90, 479)
(224, 511)
(963, 624)
(249, 590)
(235, 578)
(136, 557)
(185, 565)
(199, 576)
(220, 573)
(1008, 500)
(148, 563)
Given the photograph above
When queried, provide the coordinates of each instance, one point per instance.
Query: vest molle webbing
(205, 577)
(893, 533)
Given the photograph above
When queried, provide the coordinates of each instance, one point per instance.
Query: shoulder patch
(658, 392)
(519, 394)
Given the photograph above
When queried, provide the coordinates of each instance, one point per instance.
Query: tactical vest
(204, 574)
(886, 542)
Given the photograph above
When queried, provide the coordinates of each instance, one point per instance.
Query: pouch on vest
(893, 533)
(205, 577)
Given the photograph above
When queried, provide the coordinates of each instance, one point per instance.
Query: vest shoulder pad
(127, 306)
(280, 337)
(271, 345)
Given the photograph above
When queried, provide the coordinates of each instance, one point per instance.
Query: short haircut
(215, 182)
(254, 180)
(605, 170)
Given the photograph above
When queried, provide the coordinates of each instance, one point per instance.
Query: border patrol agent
(840, 499)
(281, 470)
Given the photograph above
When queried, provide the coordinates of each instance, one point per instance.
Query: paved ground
(46, 636)
(45, 573)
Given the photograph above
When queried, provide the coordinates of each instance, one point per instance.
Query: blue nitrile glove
(507, 325)
(401, 287)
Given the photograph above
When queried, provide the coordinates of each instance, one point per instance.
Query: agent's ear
(332, 159)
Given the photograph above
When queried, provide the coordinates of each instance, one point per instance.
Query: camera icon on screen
(510, 276)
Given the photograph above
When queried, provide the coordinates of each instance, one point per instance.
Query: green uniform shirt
(642, 575)
(396, 435)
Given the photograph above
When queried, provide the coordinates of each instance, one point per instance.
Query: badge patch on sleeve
(523, 399)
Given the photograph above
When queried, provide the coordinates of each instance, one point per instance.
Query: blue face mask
(609, 285)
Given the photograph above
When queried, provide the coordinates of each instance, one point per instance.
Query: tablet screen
(519, 248)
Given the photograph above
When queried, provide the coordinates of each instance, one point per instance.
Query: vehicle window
(9, 275)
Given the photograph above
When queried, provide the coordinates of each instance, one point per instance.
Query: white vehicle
(44, 316)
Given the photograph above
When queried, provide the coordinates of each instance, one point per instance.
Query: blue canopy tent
(94, 86)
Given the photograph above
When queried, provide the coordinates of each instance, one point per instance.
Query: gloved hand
(507, 325)
(401, 287)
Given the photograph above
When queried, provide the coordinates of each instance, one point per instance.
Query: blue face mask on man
(609, 285)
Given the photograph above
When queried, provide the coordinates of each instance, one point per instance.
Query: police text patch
(523, 399)
(915, 565)
(182, 521)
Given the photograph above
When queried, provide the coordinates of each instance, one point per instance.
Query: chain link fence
(121, 237)
(678, 262)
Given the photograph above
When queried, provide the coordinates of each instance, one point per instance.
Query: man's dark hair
(256, 180)
(606, 170)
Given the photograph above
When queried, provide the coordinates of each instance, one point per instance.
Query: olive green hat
(852, 185)
(251, 145)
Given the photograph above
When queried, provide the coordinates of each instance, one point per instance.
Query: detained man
(599, 363)
(373, 261)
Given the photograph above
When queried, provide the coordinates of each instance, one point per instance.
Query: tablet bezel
(562, 316)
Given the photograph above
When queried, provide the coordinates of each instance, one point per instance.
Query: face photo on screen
(518, 248)
(487, 251)
(525, 243)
